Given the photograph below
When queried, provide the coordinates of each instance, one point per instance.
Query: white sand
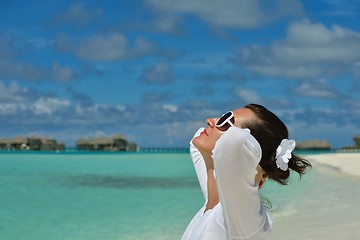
(328, 207)
(348, 163)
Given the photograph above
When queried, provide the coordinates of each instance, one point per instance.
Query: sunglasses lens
(223, 119)
(224, 128)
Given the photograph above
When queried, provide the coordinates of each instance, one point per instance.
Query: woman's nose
(211, 122)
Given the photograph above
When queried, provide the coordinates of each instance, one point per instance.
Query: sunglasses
(225, 121)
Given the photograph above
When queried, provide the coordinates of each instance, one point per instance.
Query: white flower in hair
(283, 153)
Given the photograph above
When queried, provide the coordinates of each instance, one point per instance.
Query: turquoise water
(100, 196)
(118, 196)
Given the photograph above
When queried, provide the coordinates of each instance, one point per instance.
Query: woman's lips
(205, 132)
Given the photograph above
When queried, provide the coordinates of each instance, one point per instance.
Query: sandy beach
(327, 209)
(347, 163)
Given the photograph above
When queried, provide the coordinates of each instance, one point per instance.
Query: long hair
(269, 131)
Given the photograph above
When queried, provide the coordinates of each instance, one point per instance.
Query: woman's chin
(199, 143)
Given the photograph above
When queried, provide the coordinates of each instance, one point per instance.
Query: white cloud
(12, 93)
(11, 109)
(314, 42)
(120, 107)
(113, 46)
(62, 74)
(141, 47)
(48, 105)
(319, 88)
(13, 69)
(166, 23)
(309, 50)
(160, 73)
(248, 95)
(230, 13)
(104, 47)
(78, 14)
(13, 66)
(170, 107)
(16, 101)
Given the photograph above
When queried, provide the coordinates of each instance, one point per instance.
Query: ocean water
(132, 196)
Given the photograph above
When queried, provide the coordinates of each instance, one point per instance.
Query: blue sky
(154, 70)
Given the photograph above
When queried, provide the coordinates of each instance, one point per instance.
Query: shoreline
(346, 163)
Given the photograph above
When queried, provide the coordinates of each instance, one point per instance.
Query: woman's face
(205, 142)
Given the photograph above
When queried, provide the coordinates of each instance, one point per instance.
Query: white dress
(240, 213)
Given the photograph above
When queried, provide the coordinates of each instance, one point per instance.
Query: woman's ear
(261, 183)
(261, 176)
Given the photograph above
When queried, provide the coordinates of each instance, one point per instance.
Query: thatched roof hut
(30, 143)
(115, 143)
(313, 145)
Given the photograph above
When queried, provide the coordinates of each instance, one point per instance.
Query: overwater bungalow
(313, 145)
(31, 143)
(115, 143)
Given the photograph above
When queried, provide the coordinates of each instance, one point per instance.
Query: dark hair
(269, 131)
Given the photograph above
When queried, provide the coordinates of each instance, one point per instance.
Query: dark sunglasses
(225, 121)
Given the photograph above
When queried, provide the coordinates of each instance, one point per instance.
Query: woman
(233, 157)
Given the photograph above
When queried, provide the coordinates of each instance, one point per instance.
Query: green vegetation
(357, 141)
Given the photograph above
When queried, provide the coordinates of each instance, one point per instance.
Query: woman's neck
(213, 196)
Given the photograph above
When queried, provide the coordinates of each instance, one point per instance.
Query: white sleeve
(236, 156)
(199, 164)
